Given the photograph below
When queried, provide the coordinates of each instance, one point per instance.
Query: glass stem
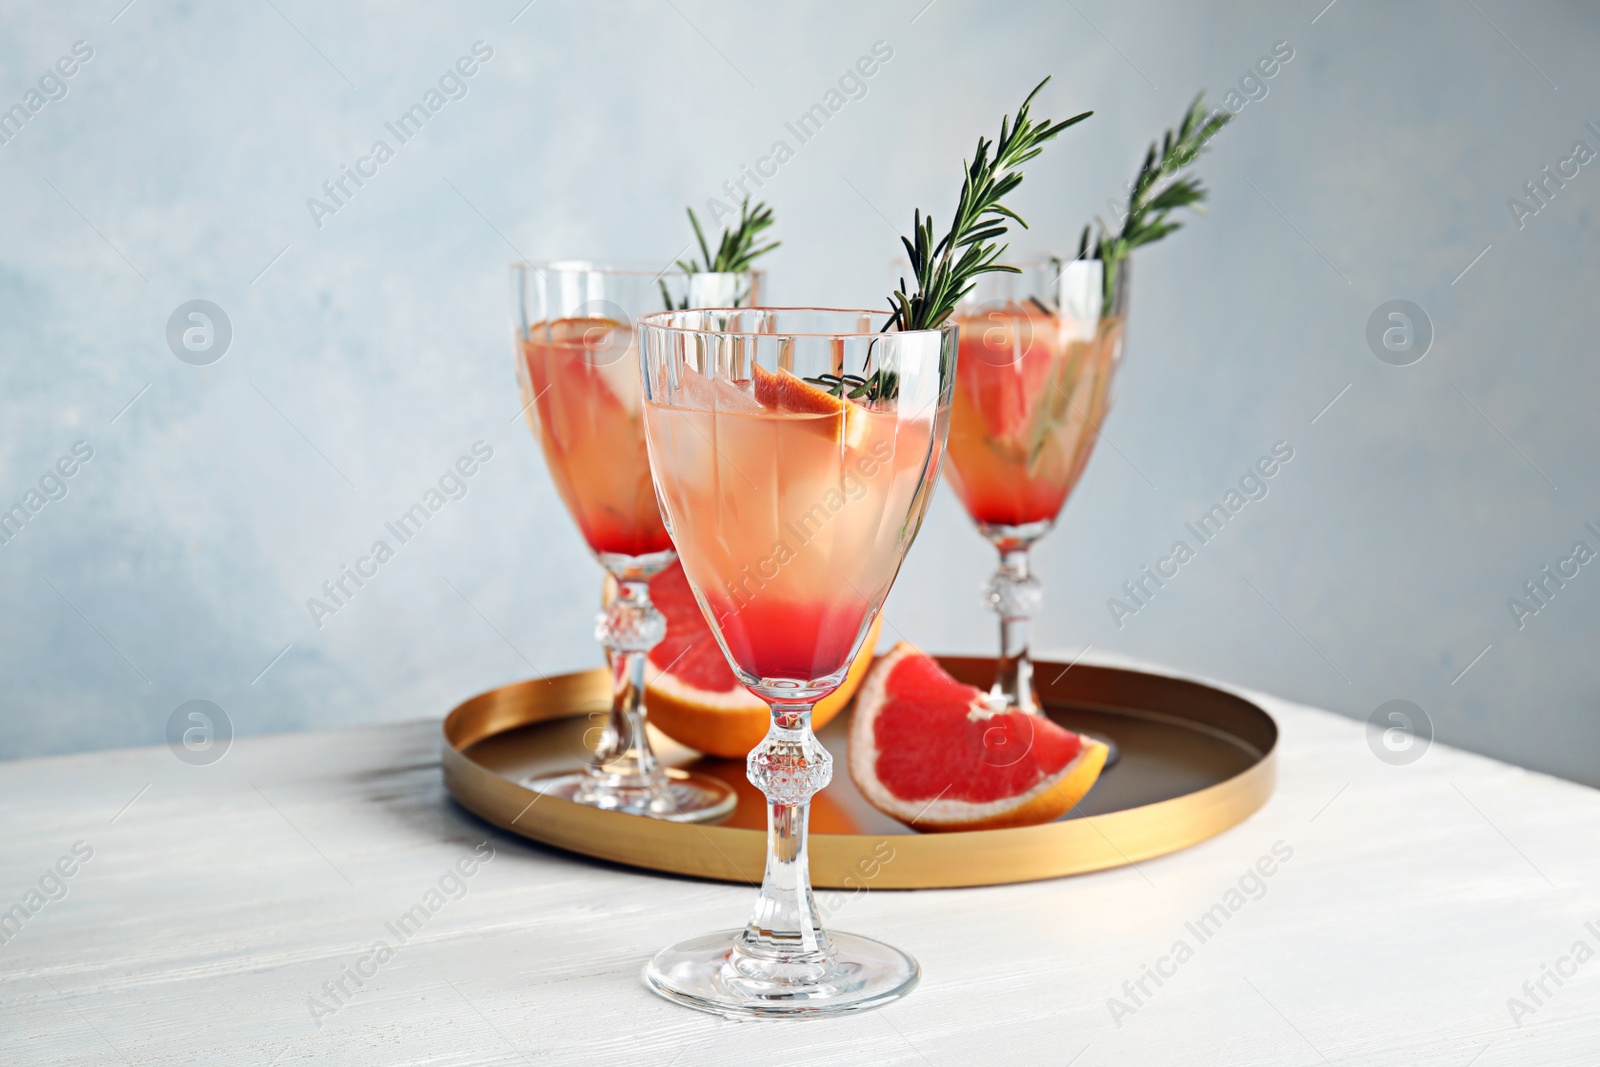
(789, 767)
(1015, 595)
(628, 628)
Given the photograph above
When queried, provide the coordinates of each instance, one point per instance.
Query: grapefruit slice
(781, 391)
(691, 692)
(603, 347)
(1007, 358)
(925, 750)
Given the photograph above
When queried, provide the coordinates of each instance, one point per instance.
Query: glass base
(713, 973)
(682, 797)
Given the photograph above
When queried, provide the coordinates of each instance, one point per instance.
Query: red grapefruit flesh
(1007, 358)
(925, 750)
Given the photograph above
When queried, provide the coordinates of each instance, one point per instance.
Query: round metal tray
(1194, 761)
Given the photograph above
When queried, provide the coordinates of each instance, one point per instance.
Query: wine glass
(1038, 352)
(794, 452)
(578, 366)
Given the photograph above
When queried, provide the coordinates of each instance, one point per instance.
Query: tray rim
(858, 861)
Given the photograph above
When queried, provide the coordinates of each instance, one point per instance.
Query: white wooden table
(1417, 901)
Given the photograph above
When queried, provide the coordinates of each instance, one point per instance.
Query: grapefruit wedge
(1006, 359)
(781, 391)
(925, 750)
(691, 692)
(590, 350)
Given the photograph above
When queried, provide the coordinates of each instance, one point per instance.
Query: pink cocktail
(794, 452)
(578, 366)
(581, 388)
(1038, 352)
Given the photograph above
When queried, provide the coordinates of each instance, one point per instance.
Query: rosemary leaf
(945, 270)
(1156, 193)
(738, 249)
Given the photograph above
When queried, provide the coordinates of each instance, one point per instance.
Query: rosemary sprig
(883, 384)
(1156, 194)
(736, 251)
(946, 271)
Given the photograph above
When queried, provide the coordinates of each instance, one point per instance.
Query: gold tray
(1194, 762)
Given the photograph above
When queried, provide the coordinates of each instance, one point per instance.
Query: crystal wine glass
(578, 365)
(794, 451)
(1038, 351)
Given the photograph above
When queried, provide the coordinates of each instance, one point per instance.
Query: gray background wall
(373, 351)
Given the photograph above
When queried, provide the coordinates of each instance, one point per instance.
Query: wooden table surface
(1406, 908)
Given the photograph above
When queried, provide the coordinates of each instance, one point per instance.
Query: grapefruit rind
(1051, 798)
(728, 722)
(781, 390)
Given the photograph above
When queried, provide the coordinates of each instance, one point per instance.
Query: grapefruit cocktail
(580, 384)
(794, 452)
(789, 514)
(1038, 352)
(578, 366)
